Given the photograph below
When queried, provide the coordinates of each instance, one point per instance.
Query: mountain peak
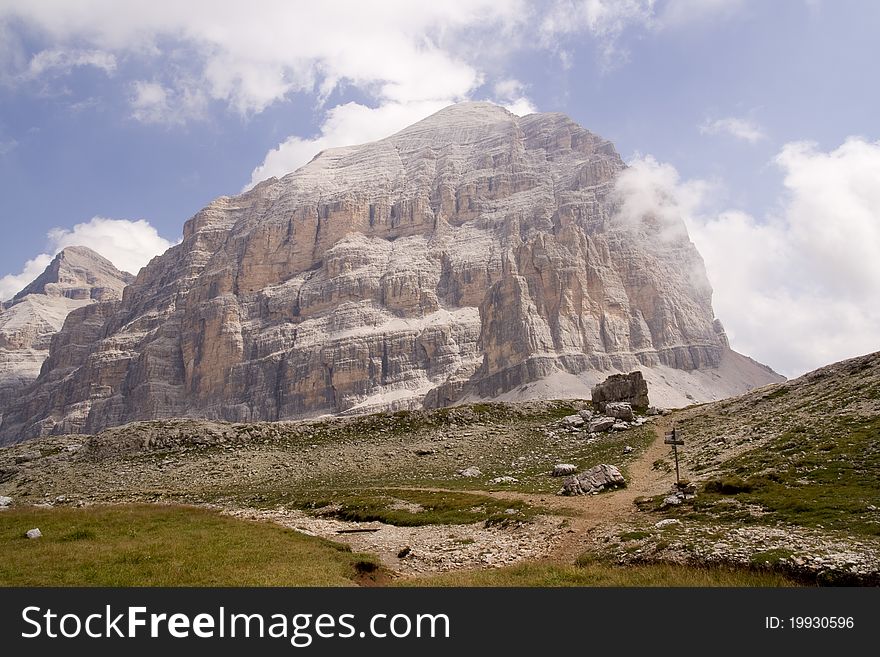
(77, 272)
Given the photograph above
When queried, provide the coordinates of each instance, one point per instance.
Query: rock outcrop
(468, 256)
(592, 481)
(629, 388)
(76, 277)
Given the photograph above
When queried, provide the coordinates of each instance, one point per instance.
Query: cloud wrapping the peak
(797, 289)
(651, 192)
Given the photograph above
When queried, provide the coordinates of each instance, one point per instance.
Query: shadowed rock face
(76, 277)
(466, 255)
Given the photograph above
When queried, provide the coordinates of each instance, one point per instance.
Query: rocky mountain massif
(473, 255)
(76, 277)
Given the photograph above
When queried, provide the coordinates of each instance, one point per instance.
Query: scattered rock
(620, 410)
(404, 552)
(564, 469)
(672, 500)
(573, 421)
(592, 481)
(587, 414)
(34, 533)
(504, 480)
(620, 426)
(652, 410)
(5, 501)
(601, 424)
(25, 457)
(628, 449)
(630, 388)
(668, 522)
(472, 471)
(425, 452)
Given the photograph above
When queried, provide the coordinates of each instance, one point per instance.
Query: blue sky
(756, 121)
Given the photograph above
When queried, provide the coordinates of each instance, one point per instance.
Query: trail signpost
(674, 438)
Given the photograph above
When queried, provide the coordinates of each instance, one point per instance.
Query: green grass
(165, 546)
(413, 508)
(822, 475)
(770, 558)
(600, 574)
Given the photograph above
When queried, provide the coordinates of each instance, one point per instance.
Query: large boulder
(594, 480)
(630, 388)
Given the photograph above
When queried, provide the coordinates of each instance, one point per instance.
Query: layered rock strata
(464, 257)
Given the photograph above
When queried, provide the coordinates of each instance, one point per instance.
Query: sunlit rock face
(76, 277)
(465, 257)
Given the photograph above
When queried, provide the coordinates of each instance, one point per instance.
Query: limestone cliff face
(76, 277)
(468, 255)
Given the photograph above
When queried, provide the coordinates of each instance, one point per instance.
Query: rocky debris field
(781, 478)
(292, 472)
(809, 555)
(428, 548)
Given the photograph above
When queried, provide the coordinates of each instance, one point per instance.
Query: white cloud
(11, 284)
(650, 196)
(129, 245)
(252, 58)
(151, 102)
(520, 106)
(62, 62)
(738, 128)
(801, 288)
(605, 19)
(511, 94)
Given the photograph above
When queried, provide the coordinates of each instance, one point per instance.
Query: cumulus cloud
(738, 128)
(799, 288)
(251, 58)
(129, 245)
